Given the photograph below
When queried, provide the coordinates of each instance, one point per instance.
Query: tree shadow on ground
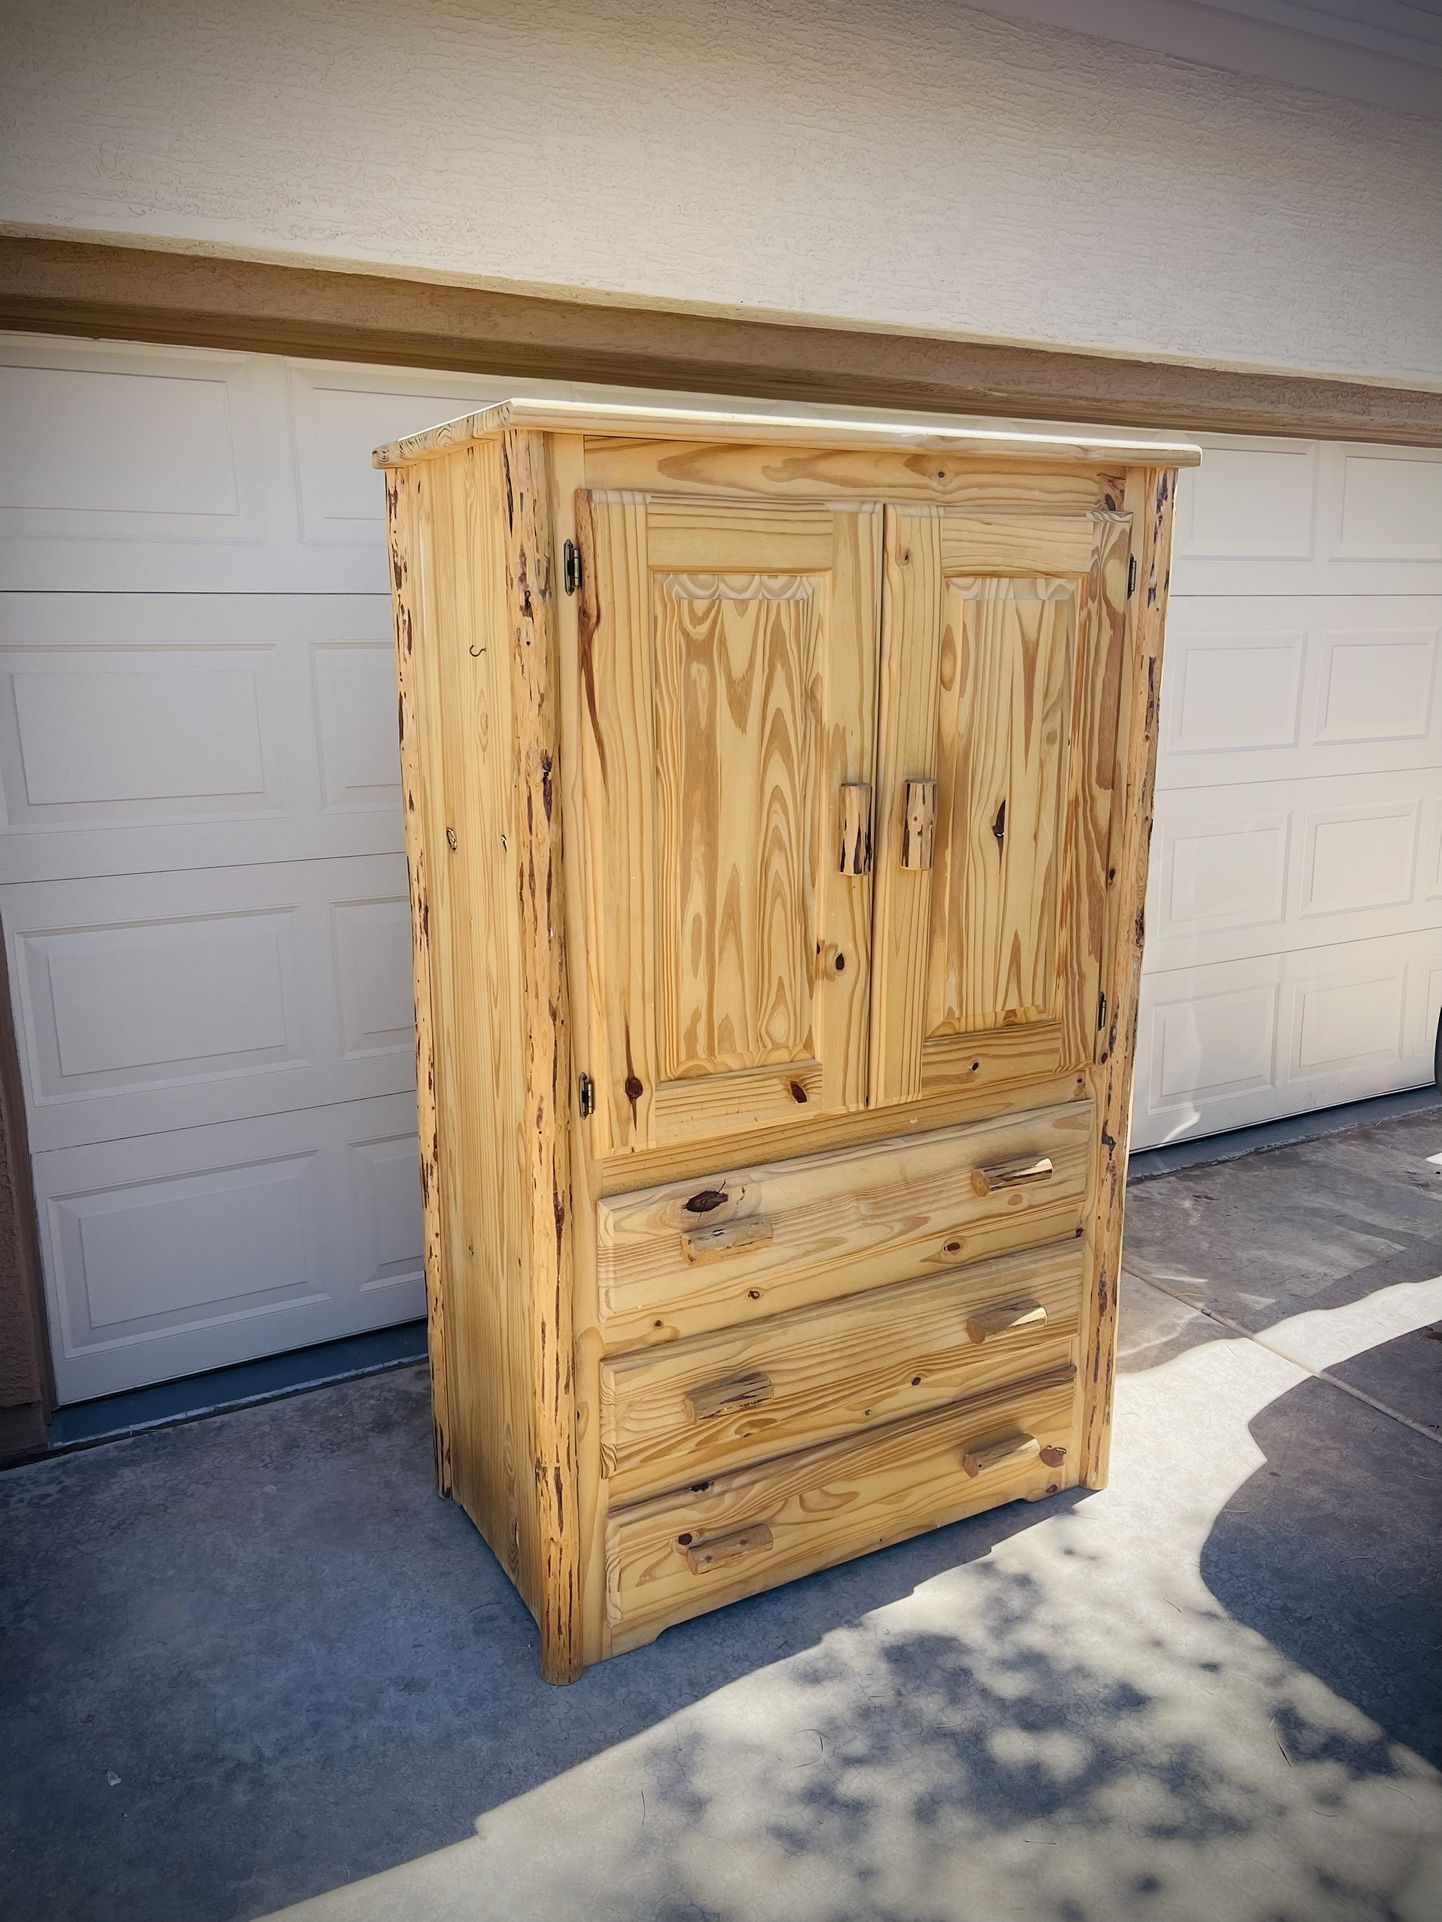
(304, 1670)
(1331, 1550)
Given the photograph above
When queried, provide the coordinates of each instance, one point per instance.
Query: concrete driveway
(252, 1667)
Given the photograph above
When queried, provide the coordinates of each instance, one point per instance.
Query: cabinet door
(1002, 652)
(728, 655)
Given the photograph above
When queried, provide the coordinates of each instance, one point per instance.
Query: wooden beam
(535, 718)
(1148, 500)
(96, 290)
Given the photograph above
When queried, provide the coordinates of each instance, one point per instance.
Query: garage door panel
(1236, 1042)
(1296, 887)
(340, 415)
(129, 446)
(201, 874)
(1391, 505)
(173, 1252)
(371, 944)
(1260, 687)
(1268, 517)
(133, 468)
(1348, 1014)
(1280, 865)
(354, 687)
(1207, 1044)
(1359, 858)
(1379, 690)
(177, 999)
(1258, 502)
(149, 731)
(111, 733)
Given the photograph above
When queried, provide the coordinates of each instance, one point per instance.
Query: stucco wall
(897, 163)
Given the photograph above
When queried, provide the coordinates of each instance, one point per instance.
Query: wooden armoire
(777, 798)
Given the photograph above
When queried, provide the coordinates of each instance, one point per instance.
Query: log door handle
(1006, 1318)
(918, 824)
(700, 1245)
(855, 855)
(728, 1397)
(1008, 1451)
(1015, 1173)
(701, 1557)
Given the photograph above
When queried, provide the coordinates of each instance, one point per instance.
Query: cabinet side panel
(532, 584)
(403, 537)
(467, 782)
(1148, 500)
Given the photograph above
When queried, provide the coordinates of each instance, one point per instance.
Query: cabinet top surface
(682, 423)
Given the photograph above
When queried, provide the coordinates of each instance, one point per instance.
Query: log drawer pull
(725, 1238)
(1009, 1451)
(702, 1557)
(1011, 1174)
(1006, 1318)
(728, 1397)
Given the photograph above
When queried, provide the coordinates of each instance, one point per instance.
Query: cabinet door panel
(999, 694)
(729, 664)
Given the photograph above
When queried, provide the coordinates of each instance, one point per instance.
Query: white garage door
(201, 878)
(1294, 956)
(203, 890)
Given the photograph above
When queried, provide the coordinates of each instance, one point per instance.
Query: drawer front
(752, 1241)
(718, 1402)
(677, 1555)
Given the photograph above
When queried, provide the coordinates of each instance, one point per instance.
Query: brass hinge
(587, 1097)
(571, 566)
(1131, 575)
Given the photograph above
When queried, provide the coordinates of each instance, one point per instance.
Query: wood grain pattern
(709, 1399)
(825, 1504)
(835, 1369)
(840, 1222)
(1007, 1451)
(1003, 687)
(918, 824)
(471, 934)
(1011, 1173)
(853, 856)
(1012, 1077)
(403, 546)
(703, 1556)
(1097, 781)
(584, 974)
(727, 708)
(688, 424)
(678, 469)
(1026, 1315)
(738, 658)
(652, 816)
(722, 1239)
(482, 677)
(1149, 496)
(1003, 742)
(532, 585)
(906, 751)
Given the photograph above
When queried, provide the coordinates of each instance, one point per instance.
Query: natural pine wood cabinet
(777, 800)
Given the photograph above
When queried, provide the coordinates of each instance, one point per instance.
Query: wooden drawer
(751, 1241)
(677, 1555)
(717, 1402)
